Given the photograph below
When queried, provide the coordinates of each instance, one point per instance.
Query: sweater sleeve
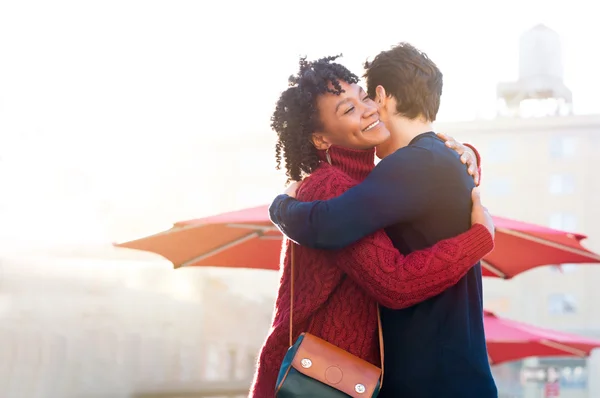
(398, 281)
(399, 189)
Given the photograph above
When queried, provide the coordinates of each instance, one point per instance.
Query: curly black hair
(296, 116)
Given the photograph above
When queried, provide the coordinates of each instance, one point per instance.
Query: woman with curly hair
(327, 129)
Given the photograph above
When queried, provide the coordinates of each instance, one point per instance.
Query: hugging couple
(398, 242)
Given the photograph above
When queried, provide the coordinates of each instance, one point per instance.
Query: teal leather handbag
(314, 368)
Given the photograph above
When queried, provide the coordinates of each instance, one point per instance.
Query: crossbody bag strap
(292, 296)
(379, 328)
(380, 333)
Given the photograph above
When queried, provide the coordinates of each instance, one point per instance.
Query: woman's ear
(320, 141)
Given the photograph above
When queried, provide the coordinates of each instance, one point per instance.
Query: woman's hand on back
(481, 215)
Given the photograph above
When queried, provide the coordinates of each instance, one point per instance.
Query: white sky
(90, 90)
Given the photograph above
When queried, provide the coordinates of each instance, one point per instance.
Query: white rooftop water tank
(540, 54)
(540, 89)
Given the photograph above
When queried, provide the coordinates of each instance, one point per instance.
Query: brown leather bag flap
(335, 367)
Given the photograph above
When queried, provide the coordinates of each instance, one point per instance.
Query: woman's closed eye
(351, 108)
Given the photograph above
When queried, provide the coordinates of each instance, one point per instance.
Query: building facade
(545, 171)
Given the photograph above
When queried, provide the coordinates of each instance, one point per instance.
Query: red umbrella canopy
(510, 341)
(522, 246)
(247, 239)
(240, 239)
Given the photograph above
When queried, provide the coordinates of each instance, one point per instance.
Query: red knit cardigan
(336, 292)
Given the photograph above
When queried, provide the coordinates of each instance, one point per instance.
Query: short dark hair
(296, 115)
(410, 77)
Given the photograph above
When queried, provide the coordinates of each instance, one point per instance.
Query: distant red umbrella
(521, 246)
(248, 239)
(510, 341)
(239, 239)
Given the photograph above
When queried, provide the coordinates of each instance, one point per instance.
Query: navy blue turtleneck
(420, 194)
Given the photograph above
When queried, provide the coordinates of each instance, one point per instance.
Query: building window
(498, 187)
(561, 303)
(231, 364)
(251, 358)
(563, 147)
(562, 184)
(212, 365)
(563, 221)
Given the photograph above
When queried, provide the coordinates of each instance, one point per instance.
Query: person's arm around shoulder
(398, 189)
(398, 281)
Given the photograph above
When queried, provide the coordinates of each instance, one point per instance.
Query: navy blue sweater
(421, 194)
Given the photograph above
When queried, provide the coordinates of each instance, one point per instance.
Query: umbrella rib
(221, 248)
(174, 228)
(261, 228)
(563, 347)
(493, 269)
(546, 242)
(264, 228)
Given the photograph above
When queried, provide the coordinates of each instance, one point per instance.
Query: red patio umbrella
(239, 239)
(521, 246)
(510, 341)
(248, 239)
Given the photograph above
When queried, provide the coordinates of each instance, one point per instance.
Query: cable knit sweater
(337, 292)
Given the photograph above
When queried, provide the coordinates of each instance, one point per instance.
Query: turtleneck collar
(357, 163)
